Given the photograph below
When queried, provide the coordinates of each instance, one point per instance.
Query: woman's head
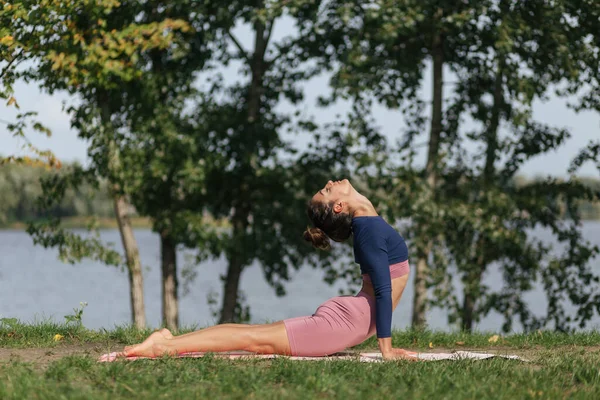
(329, 210)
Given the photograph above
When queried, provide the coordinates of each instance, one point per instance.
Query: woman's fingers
(405, 354)
(409, 353)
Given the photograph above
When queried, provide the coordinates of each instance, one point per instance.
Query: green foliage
(487, 218)
(72, 247)
(254, 177)
(504, 56)
(124, 61)
(583, 25)
(179, 151)
(49, 232)
(17, 41)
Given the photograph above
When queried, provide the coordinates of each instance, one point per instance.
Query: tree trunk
(134, 265)
(170, 307)
(467, 314)
(422, 272)
(471, 293)
(230, 292)
(132, 254)
(420, 299)
(480, 263)
(234, 270)
(489, 171)
(261, 41)
(240, 218)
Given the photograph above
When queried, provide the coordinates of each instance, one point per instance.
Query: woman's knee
(268, 339)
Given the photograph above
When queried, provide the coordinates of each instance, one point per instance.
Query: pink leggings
(339, 323)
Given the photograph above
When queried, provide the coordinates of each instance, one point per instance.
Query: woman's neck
(364, 208)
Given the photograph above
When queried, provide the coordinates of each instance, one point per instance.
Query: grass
(563, 366)
(15, 334)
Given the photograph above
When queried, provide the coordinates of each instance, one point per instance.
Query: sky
(65, 144)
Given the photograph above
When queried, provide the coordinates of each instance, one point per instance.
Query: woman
(337, 211)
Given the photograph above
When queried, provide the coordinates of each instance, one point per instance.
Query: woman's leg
(264, 339)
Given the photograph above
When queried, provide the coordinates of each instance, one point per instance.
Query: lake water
(35, 285)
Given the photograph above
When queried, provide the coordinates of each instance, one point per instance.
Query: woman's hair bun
(317, 237)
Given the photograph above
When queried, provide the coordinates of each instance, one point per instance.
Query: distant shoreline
(83, 223)
(100, 223)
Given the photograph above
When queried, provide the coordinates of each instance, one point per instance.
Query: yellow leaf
(58, 337)
(493, 339)
(7, 40)
(431, 345)
(12, 101)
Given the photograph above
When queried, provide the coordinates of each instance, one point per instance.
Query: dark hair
(328, 225)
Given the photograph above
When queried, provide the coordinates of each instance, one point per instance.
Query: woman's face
(334, 191)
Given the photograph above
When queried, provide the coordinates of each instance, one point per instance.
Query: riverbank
(34, 360)
(84, 222)
(100, 223)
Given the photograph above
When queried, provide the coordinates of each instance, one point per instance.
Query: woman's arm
(375, 257)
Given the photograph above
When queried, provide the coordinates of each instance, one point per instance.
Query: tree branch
(269, 32)
(243, 52)
(282, 53)
(10, 63)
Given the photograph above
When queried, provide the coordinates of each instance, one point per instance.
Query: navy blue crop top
(377, 245)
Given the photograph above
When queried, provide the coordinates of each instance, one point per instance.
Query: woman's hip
(339, 323)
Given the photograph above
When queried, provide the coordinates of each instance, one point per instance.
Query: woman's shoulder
(368, 226)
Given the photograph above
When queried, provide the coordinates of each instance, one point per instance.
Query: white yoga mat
(362, 357)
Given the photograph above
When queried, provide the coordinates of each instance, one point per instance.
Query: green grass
(556, 375)
(545, 339)
(563, 366)
(15, 334)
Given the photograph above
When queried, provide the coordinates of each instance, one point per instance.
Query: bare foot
(153, 346)
(166, 333)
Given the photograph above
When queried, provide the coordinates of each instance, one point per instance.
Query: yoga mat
(362, 357)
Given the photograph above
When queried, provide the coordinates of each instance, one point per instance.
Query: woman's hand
(400, 354)
(389, 353)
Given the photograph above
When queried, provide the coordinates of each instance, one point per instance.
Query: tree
(89, 55)
(455, 189)
(255, 178)
(582, 28)
(486, 215)
(159, 165)
(18, 44)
